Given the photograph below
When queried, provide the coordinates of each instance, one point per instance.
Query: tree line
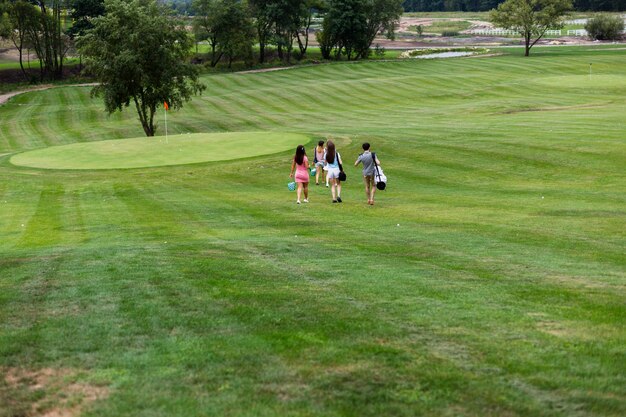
(232, 28)
(485, 5)
(348, 27)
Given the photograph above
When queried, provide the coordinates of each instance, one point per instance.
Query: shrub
(379, 51)
(449, 33)
(605, 27)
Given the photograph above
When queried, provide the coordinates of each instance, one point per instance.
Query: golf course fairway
(158, 151)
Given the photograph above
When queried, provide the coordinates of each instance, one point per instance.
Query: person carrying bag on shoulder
(369, 162)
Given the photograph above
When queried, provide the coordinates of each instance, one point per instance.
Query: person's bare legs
(299, 192)
(366, 180)
(332, 188)
(338, 190)
(372, 190)
(306, 192)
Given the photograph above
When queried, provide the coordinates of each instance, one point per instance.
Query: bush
(605, 27)
(449, 33)
(379, 51)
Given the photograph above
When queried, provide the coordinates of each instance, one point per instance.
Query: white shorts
(333, 173)
(319, 164)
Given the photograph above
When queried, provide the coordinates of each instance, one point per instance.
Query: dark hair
(320, 143)
(366, 146)
(299, 158)
(330, 152)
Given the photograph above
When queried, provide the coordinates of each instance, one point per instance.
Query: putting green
(155, 151)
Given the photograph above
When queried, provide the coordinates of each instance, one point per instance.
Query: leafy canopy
(138, 53)
(531, 18)
(605, 27)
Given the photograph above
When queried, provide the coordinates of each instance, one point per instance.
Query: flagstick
(166, 127)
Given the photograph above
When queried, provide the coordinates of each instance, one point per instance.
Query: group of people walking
(327, 160)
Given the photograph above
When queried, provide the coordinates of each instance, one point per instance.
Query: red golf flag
(166, 106)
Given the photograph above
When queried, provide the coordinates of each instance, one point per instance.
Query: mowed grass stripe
(460, 291)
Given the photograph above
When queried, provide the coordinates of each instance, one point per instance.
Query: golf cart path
(6, 97)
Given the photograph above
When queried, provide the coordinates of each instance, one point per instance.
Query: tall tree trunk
(261, 52)
(19, 44)
(262, 33)
(146, 123)
(215, 59)
(305, 34)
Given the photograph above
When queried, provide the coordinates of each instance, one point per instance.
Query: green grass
(160, 151)
(6, 64)
(488, 279)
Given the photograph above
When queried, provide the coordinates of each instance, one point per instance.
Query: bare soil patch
(47, 392)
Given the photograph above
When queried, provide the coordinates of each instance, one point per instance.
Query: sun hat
(291, 186)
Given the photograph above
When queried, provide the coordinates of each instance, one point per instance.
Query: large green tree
(531, 18)
(350, 26)
(138, 53)
(226, 25)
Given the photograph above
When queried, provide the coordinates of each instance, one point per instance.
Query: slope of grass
(160, 151)
(489, 279)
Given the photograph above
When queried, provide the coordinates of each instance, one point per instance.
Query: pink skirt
(302, 176)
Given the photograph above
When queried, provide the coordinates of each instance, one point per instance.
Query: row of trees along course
(37, 26)
(350, 26)
(231, 27)
(485, 5)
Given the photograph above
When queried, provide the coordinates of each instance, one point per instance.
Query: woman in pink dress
(301, 166)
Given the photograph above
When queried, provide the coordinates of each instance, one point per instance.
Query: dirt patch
(47, 392)
(407, 22)
(12, 54)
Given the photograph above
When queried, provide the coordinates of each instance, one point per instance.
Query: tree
(350, 26)
(605, 27)
(18, 20)
(83, 12)
(531, 18)
(302, 34)
(227, 27)
(37, 25)
(382, 16)
(49, 41)
(139, 54)
(261, 11)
